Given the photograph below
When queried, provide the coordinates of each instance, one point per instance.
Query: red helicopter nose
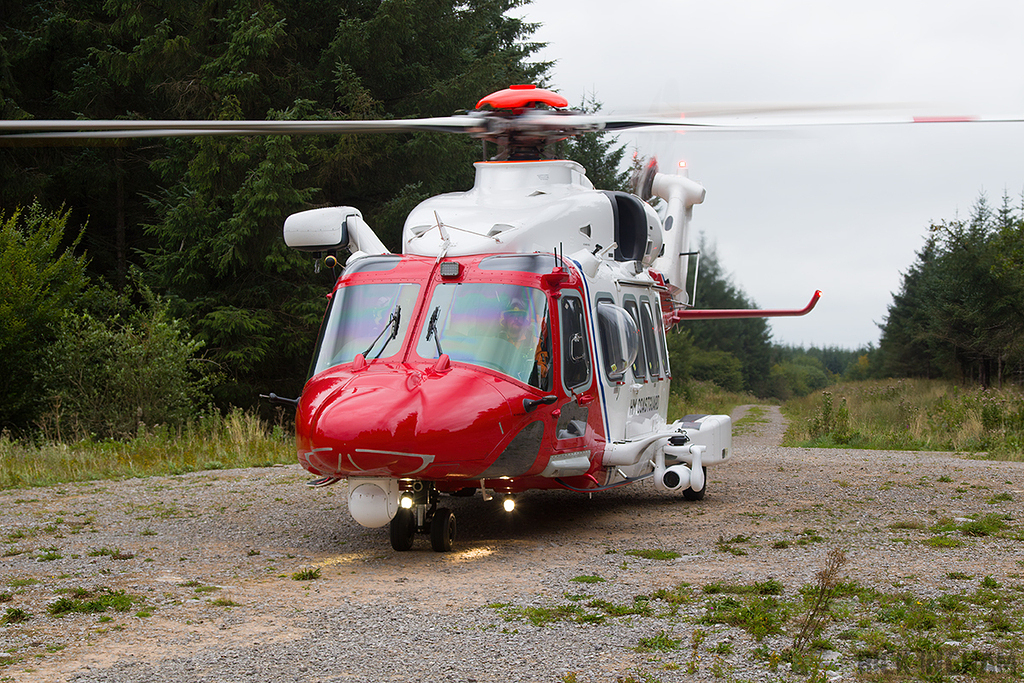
(403, 421)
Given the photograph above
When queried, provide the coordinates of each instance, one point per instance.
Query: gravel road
(208, 559)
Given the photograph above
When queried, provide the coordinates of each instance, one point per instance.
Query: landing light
(406, 502)
(509, 504)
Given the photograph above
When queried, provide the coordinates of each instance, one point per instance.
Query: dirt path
(208, 559)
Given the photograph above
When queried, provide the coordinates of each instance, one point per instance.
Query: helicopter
(517, 341)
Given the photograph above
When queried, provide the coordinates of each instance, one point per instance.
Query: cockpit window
(575, 349)
(370, 319)
(498, 326)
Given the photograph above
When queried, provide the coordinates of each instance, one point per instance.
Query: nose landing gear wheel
(442, 530)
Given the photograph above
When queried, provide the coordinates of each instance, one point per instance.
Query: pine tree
(42, 279)
(597, 153)
(908, 347)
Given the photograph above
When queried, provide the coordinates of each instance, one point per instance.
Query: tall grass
(911, 414)
(238, 439)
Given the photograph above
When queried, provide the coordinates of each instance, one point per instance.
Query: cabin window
(370, 319)
(650, 333)
(497, 326)
(662, 341)
(640, 362)
(575, 349)
(619, 340)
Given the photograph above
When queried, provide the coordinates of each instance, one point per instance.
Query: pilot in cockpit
(515, 325)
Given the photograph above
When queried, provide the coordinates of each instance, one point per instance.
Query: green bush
(831, 423)
(798, 377)
(680, 354)
(109, 377)
(720, 367)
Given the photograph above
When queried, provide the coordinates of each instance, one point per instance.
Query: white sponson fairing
(708, 442)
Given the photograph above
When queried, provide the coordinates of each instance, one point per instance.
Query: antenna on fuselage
(446, 240)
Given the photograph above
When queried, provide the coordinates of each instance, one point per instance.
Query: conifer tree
(42, 279)
(597, 153)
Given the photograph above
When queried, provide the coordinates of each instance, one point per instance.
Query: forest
(149, 283)
(176, 244)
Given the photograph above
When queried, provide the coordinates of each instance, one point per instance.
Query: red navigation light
(945, 119)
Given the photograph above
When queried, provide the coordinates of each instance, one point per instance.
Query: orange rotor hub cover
(521, 96)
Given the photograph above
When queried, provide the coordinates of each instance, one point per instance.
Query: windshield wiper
(393, 322)
(432, 330)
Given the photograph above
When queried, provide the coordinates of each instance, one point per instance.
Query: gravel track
(210, 557)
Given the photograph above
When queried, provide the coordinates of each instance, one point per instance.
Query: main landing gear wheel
(442, 530)
(403, 530)
(690, 494)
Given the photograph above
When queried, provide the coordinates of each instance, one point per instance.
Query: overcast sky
(837, 209)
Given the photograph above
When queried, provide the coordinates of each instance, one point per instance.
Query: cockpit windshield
(370, 319)
(498, 326)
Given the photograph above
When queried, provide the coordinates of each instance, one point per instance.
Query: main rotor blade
(13, 130)
(745, 123)
(721, 118)
(496, 126)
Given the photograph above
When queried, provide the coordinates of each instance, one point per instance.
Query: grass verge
(704, 398)
(910, 414)
(238, 439)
